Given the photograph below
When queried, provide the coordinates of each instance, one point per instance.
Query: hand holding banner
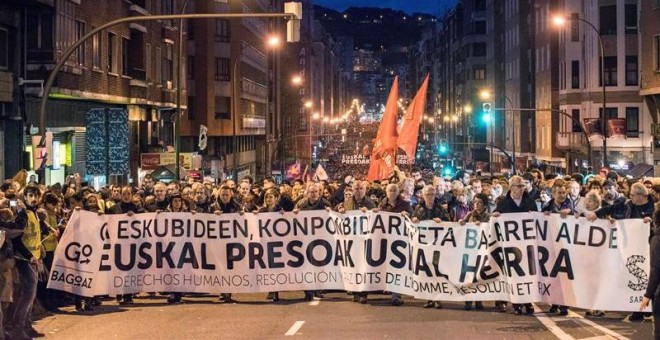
(526, 257)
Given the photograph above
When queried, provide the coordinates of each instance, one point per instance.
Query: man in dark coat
(516, 200)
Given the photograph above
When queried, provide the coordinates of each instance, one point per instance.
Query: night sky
(408, 6)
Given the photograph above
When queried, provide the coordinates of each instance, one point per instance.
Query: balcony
(571, 141)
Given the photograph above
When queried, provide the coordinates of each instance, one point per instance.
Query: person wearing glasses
(639, 206)
(517, 200)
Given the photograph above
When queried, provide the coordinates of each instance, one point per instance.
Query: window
(480, 5)
(632, 122)
(168, 8)
(124, 56)
(167, 63)
(479, 27)
(575, 27)
(158, 75)
(222, 69)
(39, 31)
(575, 74)
(631, 18)
(191, 67)
(66, 29)
(4, 49)
(190, 31)
(576, 116)
(147, 63)
(80, 51)
(222, 30)
(608, 20)
(96, 50)
(610, 72)
(611, 112)
(479, 72)
(479, 49)
(302, 124)
(112, 46)
(191, 107)
(222, 107)
(562, 75)
(656, 49)
(631, 70)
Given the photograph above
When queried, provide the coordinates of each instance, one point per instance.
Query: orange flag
(410, 128)
(383, 155)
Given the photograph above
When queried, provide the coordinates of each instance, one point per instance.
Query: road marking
(597, 326)
(295, 328)
(315, 301)
(551, 325)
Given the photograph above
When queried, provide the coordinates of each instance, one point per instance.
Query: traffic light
(443, 149)
(487, 112)
(447, 170)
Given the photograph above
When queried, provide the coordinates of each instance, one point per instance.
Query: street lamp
(296, 80)
(274, 41)
(561, 22)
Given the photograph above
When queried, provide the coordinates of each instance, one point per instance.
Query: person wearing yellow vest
(28, 254)
(49, 297)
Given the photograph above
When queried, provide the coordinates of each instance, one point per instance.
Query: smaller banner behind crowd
(526, 257)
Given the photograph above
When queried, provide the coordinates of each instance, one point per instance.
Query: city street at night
(329, 169)
(334, 317)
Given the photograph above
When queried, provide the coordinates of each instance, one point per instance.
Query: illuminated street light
(296, 80)
(431, 120)
(467, 108)
(558, 20)
(454, 118)
(309, 104)
(445, 118)
(484, 94)
(274, 41)
(316, 116)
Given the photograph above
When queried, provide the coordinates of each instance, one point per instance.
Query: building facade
(580, 80)
(124, 71)
(650, 70)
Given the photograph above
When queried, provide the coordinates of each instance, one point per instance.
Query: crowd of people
(33, 216)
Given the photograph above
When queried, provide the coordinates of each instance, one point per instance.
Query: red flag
(383, 155)
(410, 128)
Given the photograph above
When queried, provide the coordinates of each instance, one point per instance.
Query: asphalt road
(333, 317)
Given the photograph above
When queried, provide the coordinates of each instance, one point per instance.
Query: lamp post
(179, 82)
(561, 21)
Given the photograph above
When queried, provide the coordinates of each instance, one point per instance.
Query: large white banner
(527, 257)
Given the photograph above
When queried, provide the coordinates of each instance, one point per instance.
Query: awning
(641, 170)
